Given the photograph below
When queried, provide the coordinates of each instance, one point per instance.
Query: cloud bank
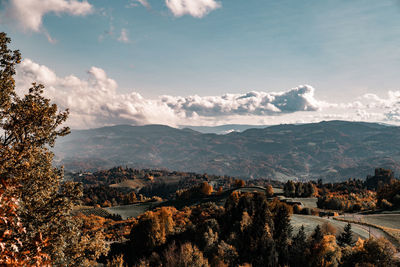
(195, 8)
(255, 103)
(95, 102)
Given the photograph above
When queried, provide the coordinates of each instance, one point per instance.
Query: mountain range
(330, 150)
(223, 129)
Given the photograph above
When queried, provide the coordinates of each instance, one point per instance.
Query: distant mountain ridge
(223, 129)
(333, 150)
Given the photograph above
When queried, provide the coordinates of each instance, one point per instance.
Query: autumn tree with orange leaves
(36, 227)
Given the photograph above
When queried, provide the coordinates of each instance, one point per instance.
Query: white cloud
(393, 115)
(195, 8)
(390, 105)
(28, 14)
(123, 37)
(95, 101)
(256, 103)
(135, 3)
(393, 98)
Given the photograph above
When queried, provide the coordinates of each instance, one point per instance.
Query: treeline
(349, 196)
(197, 191)
(348, 202)
(381, 191)
(299, 189)
(106, 196)
(121, 186)
(247, 230)
(389, 195)
(107, 177)
(120, 174)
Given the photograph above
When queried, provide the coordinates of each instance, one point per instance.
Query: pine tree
(297, 249)
(282, 232)
(346, 237)
(317, 235)
(315, 247)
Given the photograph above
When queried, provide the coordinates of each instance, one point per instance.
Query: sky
(210, 62)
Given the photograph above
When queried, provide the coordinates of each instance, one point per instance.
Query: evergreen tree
(297, 250)
(346, 237)
(282, 232)
(317, 235)
(315, 247)
(289, 189)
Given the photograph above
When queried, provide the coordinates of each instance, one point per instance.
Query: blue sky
(347, 50)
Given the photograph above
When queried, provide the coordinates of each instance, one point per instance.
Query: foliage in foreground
(248, 230)
(36, 225)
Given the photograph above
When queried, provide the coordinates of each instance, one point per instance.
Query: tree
(249, 224)
(29, 126)
(289, 189)
(323, 249)
(185, 255)
(206, 189)
(151, 230)
(346, 237)
(282, 232)
(269, 191)
(297, 249)
(239, 183)
(370, 252)
(12, 250)
(317, 235)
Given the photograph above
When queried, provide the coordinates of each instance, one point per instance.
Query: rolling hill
(333, 150)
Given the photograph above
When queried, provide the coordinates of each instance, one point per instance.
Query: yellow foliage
(206, 189)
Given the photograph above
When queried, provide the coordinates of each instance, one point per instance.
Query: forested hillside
(331, 150)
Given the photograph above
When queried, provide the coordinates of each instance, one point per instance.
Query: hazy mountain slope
(333, 150)
(223, 129)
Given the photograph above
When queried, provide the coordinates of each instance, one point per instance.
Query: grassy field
(250, 190)
(310, 202)
(127, 211)
(307, 202)
(392, 234)
(278, 190)
(310, 222)
(130, 184)
(385, 220)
